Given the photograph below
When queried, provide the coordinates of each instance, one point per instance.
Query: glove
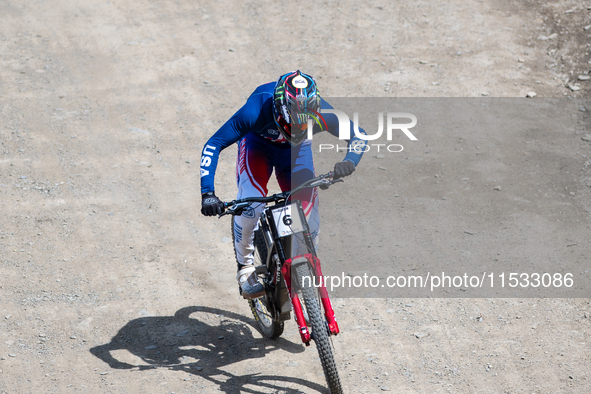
(211, 205)
(343, 169)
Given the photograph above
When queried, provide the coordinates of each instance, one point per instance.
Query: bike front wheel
(319, 327)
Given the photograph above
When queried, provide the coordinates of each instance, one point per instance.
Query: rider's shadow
(199, 341)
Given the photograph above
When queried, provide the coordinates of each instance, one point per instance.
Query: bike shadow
(201, 340)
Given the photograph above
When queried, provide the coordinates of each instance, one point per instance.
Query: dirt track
(112, 281)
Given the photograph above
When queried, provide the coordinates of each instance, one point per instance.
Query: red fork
(295, 301)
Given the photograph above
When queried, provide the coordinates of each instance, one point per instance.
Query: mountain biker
(271, 130)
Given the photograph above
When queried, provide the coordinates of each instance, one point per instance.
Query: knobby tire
(319, 329)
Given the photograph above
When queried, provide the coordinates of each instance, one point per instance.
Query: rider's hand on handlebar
(211, 205)
(343, 169)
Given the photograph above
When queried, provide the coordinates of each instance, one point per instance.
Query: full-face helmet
(295, 100)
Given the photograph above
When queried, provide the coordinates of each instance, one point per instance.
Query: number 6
(287, 220)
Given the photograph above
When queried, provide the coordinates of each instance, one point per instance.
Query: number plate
(287, 219)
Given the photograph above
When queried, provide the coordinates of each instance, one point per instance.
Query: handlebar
(235, 207)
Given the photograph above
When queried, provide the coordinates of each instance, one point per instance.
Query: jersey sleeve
(355, 145)
(241, 123)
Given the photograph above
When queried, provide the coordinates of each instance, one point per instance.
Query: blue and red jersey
(256, 116)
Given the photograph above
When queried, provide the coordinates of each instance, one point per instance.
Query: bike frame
(281, 247)
(280, 225)
(278, 267)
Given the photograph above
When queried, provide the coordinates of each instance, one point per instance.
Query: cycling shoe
(249, 284)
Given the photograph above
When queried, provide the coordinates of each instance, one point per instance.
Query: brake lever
(328, 184)
(224, 213)
(237, 209)
(325, 183)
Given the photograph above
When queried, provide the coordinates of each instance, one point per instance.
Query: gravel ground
(112, 281)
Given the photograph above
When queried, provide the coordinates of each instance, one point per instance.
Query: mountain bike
(290, 280)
